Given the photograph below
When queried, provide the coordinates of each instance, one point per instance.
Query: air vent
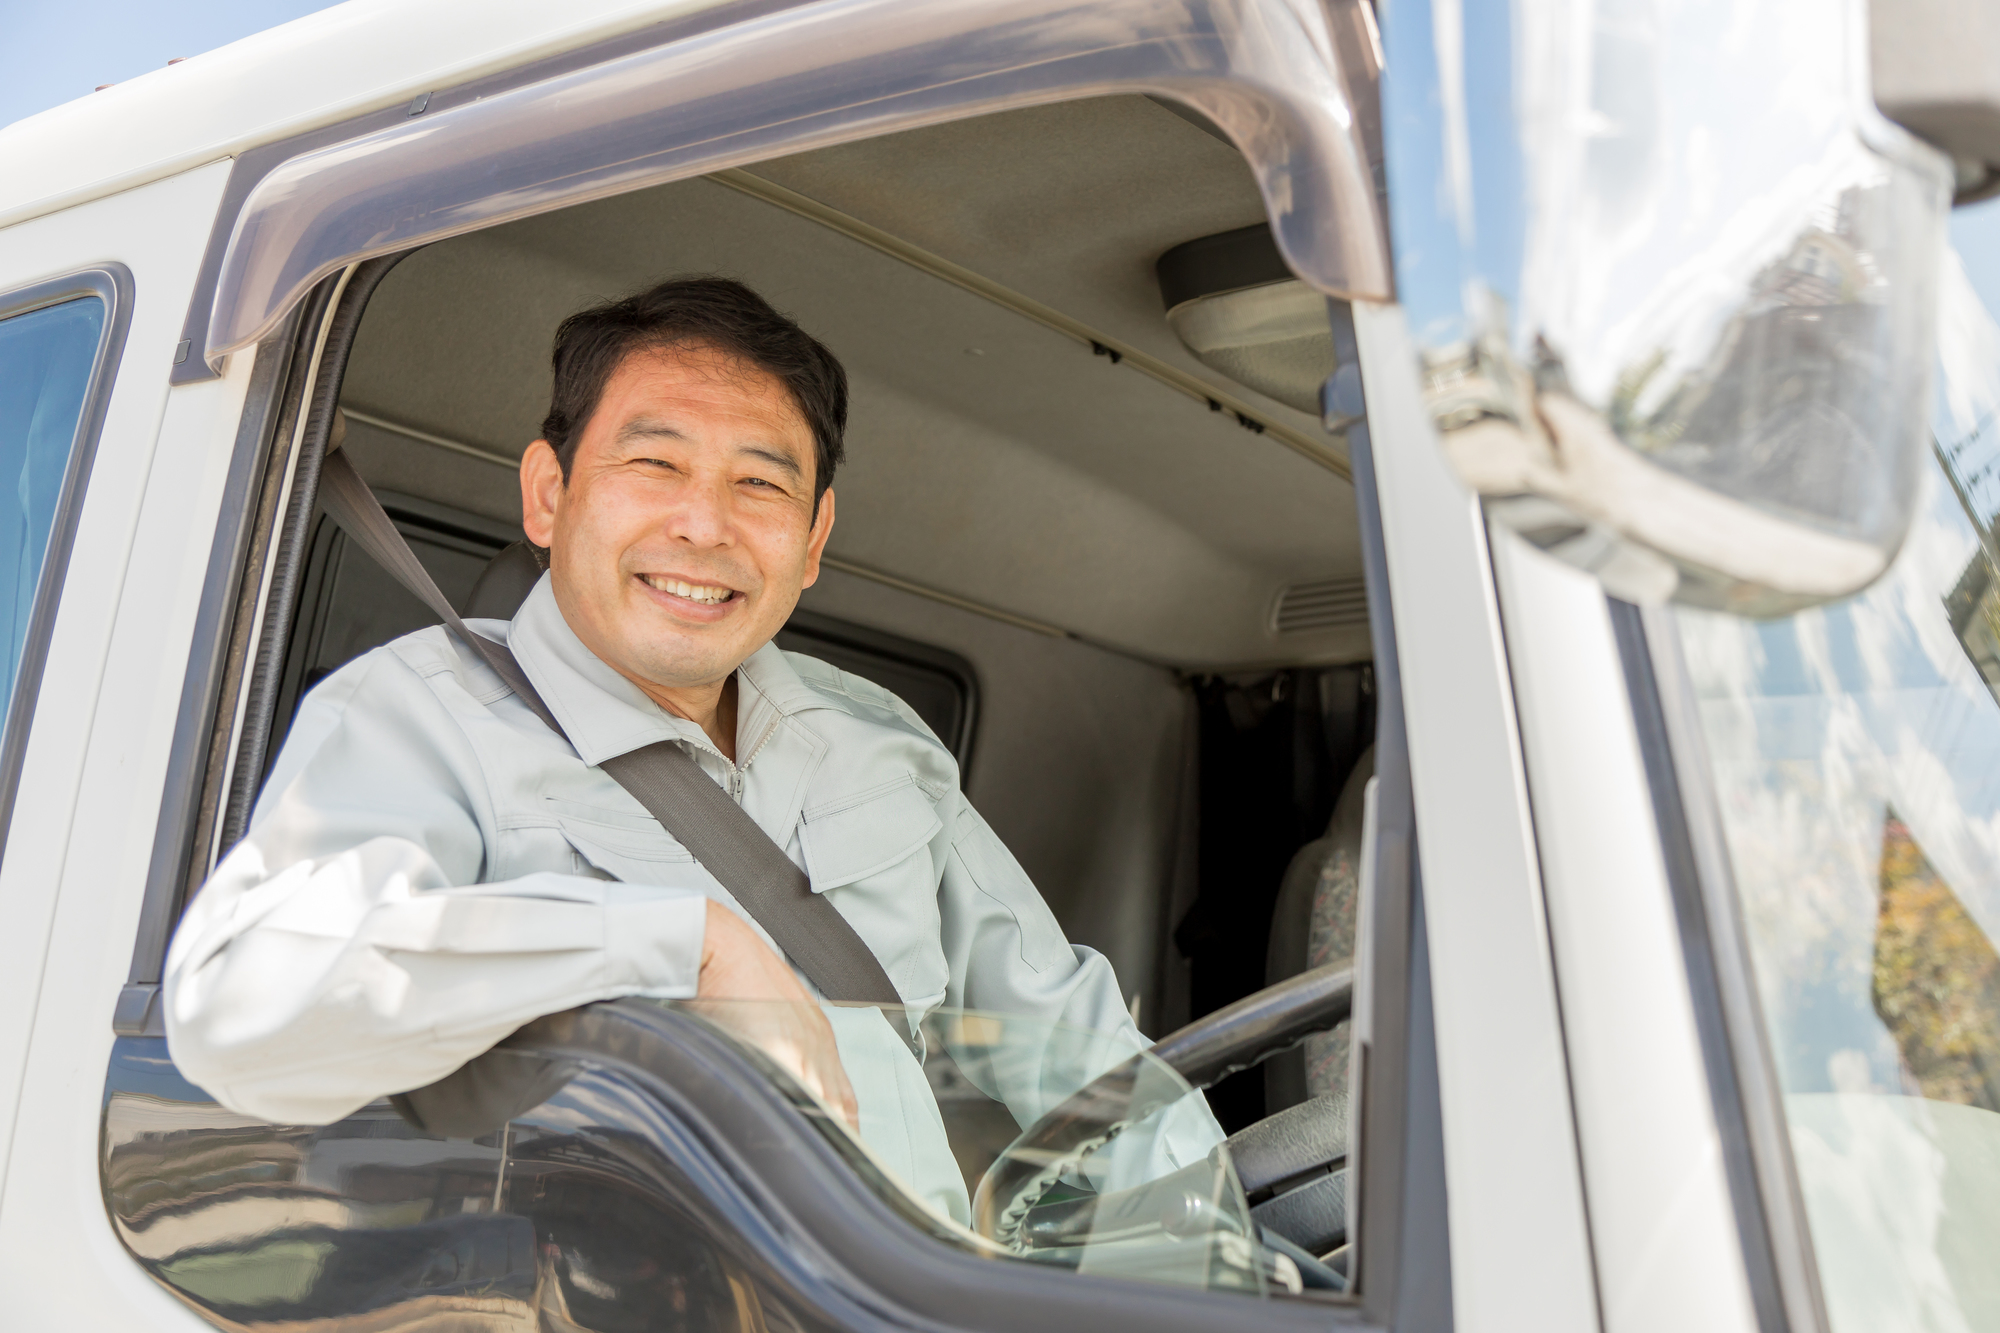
(1321, 605)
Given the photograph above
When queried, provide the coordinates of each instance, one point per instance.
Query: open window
(1093, 528)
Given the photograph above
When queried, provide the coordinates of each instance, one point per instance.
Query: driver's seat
(1313, 925)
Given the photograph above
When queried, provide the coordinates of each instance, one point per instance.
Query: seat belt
(661, 776)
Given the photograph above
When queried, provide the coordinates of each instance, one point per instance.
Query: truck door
(91, 303)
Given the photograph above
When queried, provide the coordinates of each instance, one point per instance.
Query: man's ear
(541, 485)
(822, 529)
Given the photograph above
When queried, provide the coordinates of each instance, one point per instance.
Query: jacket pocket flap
(631, 855)
(855, 839)
(626, 817)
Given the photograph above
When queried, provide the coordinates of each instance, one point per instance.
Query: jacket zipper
(736, 770)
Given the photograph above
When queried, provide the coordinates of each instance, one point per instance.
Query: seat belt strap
(661, 777)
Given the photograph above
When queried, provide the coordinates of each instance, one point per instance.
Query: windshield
(1856, 757)
(1020, 1138)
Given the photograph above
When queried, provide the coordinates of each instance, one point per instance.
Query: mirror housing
(1691, 359)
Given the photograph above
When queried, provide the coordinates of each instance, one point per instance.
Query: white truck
(1454, 542)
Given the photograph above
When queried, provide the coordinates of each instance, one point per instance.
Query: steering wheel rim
(1203, 1053)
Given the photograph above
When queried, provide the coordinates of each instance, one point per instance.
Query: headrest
(504, 584)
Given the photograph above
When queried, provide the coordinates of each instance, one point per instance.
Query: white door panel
(82, 832)
(314, 71)
(1520, 1252)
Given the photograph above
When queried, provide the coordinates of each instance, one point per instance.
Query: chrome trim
(1276, 75)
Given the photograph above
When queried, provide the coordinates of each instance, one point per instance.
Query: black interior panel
(1275, 749)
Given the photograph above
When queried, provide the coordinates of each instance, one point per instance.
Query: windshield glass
(1025, 1139)
(1856, 756)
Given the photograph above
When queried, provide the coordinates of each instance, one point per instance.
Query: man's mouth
(703, 594)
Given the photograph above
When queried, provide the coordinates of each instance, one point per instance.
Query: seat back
(1311, 926)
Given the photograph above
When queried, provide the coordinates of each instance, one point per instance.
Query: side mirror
(1672, 277)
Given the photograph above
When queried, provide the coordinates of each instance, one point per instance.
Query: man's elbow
(263, 1079)
(233, 1043)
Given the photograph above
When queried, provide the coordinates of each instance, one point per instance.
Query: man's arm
(345, 950)
(1008, 956)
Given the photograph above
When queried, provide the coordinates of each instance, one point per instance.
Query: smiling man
(431, 865)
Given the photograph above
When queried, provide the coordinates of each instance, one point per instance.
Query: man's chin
(684, 665)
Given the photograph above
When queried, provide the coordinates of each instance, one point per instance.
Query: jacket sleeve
(345, 949)
(1008, 957)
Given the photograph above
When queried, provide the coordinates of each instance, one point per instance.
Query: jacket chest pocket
(872, 855)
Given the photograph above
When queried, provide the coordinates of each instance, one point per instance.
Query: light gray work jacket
(430, 867)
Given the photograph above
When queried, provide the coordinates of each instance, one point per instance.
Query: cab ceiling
(990, 458)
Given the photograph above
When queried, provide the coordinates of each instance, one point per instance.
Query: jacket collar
(606, 715)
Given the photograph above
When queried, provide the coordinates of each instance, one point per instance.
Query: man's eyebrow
(645, 428)
(775, 459)
(652, 428)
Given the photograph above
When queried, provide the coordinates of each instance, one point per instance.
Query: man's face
(686, 531)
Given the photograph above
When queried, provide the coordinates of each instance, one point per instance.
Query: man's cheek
(780, 544)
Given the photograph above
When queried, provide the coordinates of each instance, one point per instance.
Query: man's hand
(790, 1027)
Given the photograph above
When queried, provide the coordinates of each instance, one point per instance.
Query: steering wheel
(1237, 1037)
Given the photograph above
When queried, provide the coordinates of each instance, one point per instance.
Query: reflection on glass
(1856, 757)
(1689, 359)
(1974, 606)
(46, 358)
(1935, 982)
(1025, 1139)
(541, 1187)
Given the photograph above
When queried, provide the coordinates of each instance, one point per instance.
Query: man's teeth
(694, 592)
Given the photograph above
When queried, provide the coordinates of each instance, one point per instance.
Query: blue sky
(62, 49)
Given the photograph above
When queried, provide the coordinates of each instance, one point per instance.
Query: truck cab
(1454, 544)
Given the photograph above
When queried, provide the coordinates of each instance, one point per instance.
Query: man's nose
(704, 517)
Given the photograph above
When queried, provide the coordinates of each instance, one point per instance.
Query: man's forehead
(654, 387)
(699, 364)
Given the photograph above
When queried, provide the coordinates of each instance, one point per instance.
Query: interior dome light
(1233, 303)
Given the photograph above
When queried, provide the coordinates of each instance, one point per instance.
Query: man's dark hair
(696, 311)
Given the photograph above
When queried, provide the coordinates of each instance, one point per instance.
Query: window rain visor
(1285, 79)
(1855, 755)
(1672, 277)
